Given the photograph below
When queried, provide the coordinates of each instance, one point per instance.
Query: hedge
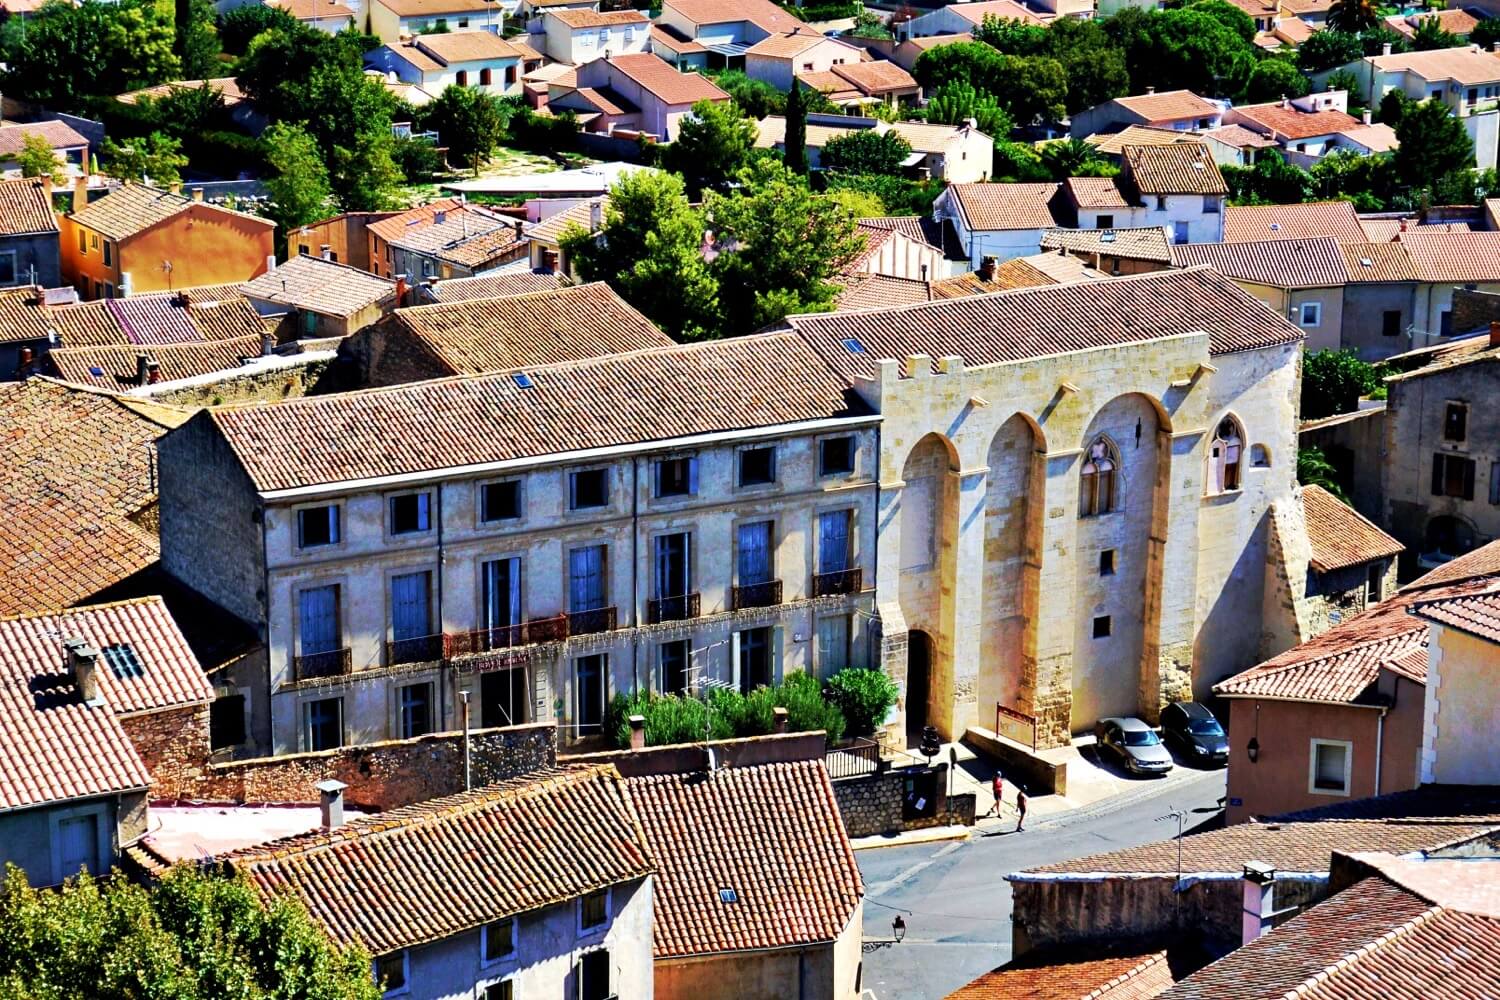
(725, 714)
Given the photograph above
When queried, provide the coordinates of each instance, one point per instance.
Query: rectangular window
(833, 644)
(411, 607)
(8, 267)
(1456, 422)
(503, 697)
(1102, 627)
(499, 939)
(754, 553)
(1161, 206)
(836, 456)
(673, 657)
(390, 972)
(1310, 314)
(1104, 222)
(673, 570)
(1107, 562)
(1373, 575)
(318, 526)
(586, 578)
(108, 254)
(676, 477)
(589, 693)
(500, 501)
(318, 620)
(1495, 483)
(1329, 767)
(757, 466)
(1452, 476)
(323, 724)
(500, 991)
(755, 659)
(593, 976)
(83, 243)
(411, 512)
(226, 721)
(588, 488)
(1390, 323)
(1210, 204)
(834, 549)
(1445, 323)
(416, 711)
(502, 593)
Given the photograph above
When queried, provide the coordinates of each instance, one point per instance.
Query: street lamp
(898, 928)
(1252, 749)
(931, 743)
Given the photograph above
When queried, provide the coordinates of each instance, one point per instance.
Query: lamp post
(898, 928)
(1252, 749)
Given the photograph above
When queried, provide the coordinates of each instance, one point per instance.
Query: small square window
(757, 466)
(499, 939)
(1101, 627)
(836, 456)
(500, 991)
(390, 972)
(226, 721)
(318, 526)
(500, 501)
(1329, 767)
(1456, 422)
(1104, 222)
(676, 477)
(1311, 314)
(594, 909)
(411, 512)
(1107, 562)
(588, 488)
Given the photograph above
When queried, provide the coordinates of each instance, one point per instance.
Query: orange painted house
(143, 239)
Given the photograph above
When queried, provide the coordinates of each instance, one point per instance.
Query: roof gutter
(1297, 701)
(581, 455)
(1209, 876)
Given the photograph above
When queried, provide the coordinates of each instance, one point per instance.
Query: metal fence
(860, 757)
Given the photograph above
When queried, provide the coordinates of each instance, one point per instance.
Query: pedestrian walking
(1020, 807)
(998, 787)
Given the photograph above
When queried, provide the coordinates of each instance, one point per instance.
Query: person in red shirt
(998, 787)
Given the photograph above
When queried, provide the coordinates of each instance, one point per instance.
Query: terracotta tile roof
(1245, 223)
(466, 46)
(1482, 562)
(523, 331)
(1145, 243)
(576, 19)
(1439, 803)
(58, 747)
(1004, 10)
(213, 312)
(26, 207)
(1112, 143)
(312, 10)
(876, 77)
(878, 291)
(1377, 262)
(1010, 275)
(605, 101)
(671, 38)
(431, 8)
(934, 232)
(933, 41)
(59, 135)
(1455, 22)
(1169, 105)
(1290, 847)
(227, 86)
(1415, 931)
(22, 315)
(78, 480)
(321, 286)
(1182, 168)
(485, 250)
(1117, 977)
(1311, 263)
(659, 78)
(1377, 138)
(1340, 535)
(723, 385)
(116, 366)
(551, 229)
(989, 206)
(786, 44)
(1294, 30)
(1061, 267)
(1238, 136)
(830, 85)
(1461, 65)
(134, 208)
(1027, 323)
(457, 227)
(409, 53)
(1096, 192)
(771, 833)
(1455, 257)
(762, 13)
(453, 864)
(1475, 614)
(395, 226)
(491, 285)
(1292, 123)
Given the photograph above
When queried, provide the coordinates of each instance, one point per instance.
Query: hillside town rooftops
(117, 367)
(191, 315)
(433, 8)
(763, 14)
(1002, 10)
(320, 286)
(134, 208)
(1247, 223)
(1340, 536)
(1181, 168)
(579, 19)
(1377, 262)
(26, 208)
(1168, 105)
(1474, 614)
(1149, 243)
(466, 46)
(663, 81)
(1073, 976)
(991, 206)
(1453, 257)
(1310, 263)
(227, 86)
(57, 134)
(493, 285)
(1287, 122)
(1466, 66)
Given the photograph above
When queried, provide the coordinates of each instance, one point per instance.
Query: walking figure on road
(1020, 807)
(998, 785)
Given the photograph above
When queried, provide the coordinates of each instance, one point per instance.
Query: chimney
(127, 286)
(1495, 333)
(83, 667)
(197, 193)
(1385, 49)
(923, 271)
(153, 371)
(596, 216)
(175, 187)
(520, 235)
(270, 262)
(81, 193)
(1150, 90)
(987, 269)
(972, 124)
(1259, 903)
(439, 217)
(142, 369)
(1365, 116)
(1495, 46)
(779, 720)
(267, 344)
(325, 251)
(331, 802)
(637, 732)
(1285, 103)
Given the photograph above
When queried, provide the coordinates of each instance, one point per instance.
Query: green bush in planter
(864, 696)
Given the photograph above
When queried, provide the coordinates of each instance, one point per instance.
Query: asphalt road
(956, 902)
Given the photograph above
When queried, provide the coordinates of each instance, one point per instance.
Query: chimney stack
(1385, 49)
(779, 720)
(439, 217)
(175, 187)
(987, 269)
(325, 251)
(520, 234)
(142, 368)
(197, 194)
(267, 344)
(1259, 901)
(81, 193)
(1150, 90)
(1495, 46)
(331, 802)
(596, 216)
(1365, 116)
(637, 732)
(83, 667)
(270, 262)
(1495, 333)
(153, 371)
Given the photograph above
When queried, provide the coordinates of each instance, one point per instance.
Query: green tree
(955, 103)
(1353, 16)
(868, 24)
(1333, 382)
(1011, 35)
(899, 195)
(1343, 79)
(197, 40)
(1094, 66)
(1486, 33)
(1272, 181)
(186, 111)
(1066, 158)
(1327, 49)
(1430, 35)
(650, 251)
(788, 243)
(1019, 162)
(192, 935)
(469, 122)
(1368, 181)
(713, 143)
(156, 157)
(1433, 144)
(1031, 88)
(962, 62)
(37, 158)
(795, 142)
(298, 185)
(70, 53)
(756, 98)
(865, 151)
(238, 26)
(1314, 469)
(1273, 79)
(859, 204)
(1195, 49)
(1228, 15)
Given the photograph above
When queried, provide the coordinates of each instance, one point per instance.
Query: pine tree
(796, 131)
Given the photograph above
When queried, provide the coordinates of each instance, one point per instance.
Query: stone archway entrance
(918, 683)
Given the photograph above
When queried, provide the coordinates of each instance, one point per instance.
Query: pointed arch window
(1225, 457)
(1098, 488)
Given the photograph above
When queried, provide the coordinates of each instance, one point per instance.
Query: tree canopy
(70, 53)
(865, 151)
(469, 122)
(37, 158)
(713, 143)
(1433, 144)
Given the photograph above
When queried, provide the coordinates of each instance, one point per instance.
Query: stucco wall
(808, 973)
(1462, 713)
(40, 252)
(205, 245)
(1363, 322)
(28, 837)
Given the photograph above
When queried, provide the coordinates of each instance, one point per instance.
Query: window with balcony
(676, 477)
(323, 724)
(757, 466)
(502, 602)
(317, 526)
(412, 640)
(411, 512)
(835, 551)
(674, 599)
(673, 660)
(321, 650)
(589, 693)
(586, 578)
(500, 501)
(588, 488)
(416, 710)
(756, 585)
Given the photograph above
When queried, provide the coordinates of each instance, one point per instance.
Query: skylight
(853, 346)
(522, 380)
(728, 896)
(123, 661)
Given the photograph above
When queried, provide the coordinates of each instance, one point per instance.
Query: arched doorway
(927, 559)
(918, 683)
(1445, 538)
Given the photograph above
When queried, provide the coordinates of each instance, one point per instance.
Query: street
(955, 900)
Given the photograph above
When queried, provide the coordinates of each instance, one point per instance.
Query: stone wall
(258, 385)
(379, 775)
(173, 745)
(871, 804)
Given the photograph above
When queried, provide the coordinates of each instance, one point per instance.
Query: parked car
(1134, 744)
(1191, 729)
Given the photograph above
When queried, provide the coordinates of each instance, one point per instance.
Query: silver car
(1134, 744)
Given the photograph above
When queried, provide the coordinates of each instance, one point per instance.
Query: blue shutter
(409, 612)
(586, 578)
(833, 541)
(755, 553)
(318, 612)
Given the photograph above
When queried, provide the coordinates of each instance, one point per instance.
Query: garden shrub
(864, 696)
(724, 714)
